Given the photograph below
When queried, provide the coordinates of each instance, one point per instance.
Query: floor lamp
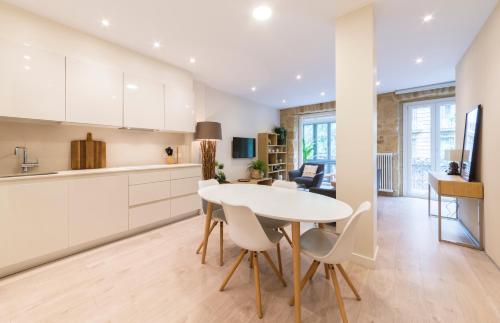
(208, 132)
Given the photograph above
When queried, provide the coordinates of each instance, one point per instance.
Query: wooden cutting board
(88, 154)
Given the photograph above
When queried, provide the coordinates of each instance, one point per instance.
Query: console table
(455, 186)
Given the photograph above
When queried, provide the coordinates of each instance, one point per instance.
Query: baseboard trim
(365, 261)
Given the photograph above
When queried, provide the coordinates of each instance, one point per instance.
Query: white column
(357, 124)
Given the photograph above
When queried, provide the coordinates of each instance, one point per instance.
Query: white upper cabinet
(144, 103)
(31, 82)
(94, 93)
(179, 108)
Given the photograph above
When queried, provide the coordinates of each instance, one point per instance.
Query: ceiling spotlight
(27, 67)
(322, 94)
(283, 101)
(105, 22)
(156, 44)
(378, 83)
(428, 18)
(298, 77)
(262, 13)
(254, 88)
(27, 57)
(132, 87)
(192, 60)
(419, 60)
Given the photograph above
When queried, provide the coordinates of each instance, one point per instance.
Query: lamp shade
(208, 130)
(453, 154)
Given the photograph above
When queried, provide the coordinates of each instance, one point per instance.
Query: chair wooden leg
(221, 244)
(327, 276)
(233, 269)
(338, 294)
(286, 236)
(310, 272)
(256, 272)
(208, 219)
(349, 282)
(278, 252)
(212, 227)
(250, 260)
(273, 266)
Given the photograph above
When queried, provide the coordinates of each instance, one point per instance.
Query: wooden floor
(156, 277)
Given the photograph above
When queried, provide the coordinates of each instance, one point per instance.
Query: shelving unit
(273, 155)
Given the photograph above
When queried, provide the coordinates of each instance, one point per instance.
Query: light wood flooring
(157, 277)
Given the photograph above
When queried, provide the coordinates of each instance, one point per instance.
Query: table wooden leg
(296, 269)
(208, 219)
(439, 218)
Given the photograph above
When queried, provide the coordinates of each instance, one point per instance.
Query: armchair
(307, 182)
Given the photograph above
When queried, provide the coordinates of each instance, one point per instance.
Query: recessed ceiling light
(156, 44)
(105, 22)
(283, 101)
(378, 83)
(428, 18)
(419, 60)
(262, 13)
(27, 57)
(298, 77)
(254, 88)
(131, 86)
(192, 60)
(322, 94)
(27, 67)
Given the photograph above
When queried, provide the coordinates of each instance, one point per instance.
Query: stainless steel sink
(27, 174)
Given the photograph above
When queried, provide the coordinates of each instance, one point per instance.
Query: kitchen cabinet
(179, 109)
(94, 93)
(31, 82)
(98, 207)
(33, 220)
(144, 103)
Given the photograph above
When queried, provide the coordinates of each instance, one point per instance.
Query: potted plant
(256, 168)
(281, 132)
(219, 174)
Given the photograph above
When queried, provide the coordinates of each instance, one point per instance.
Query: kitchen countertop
(67, 173)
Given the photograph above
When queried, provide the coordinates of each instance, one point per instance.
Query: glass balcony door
(429, 130)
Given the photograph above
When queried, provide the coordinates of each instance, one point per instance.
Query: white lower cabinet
(98, 207)
(149, 213)
(33, 220)
(185, 204)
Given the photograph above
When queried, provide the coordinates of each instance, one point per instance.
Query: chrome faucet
(26, 164)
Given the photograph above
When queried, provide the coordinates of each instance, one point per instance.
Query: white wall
(239, 118)
(478, 79)
(356, 110)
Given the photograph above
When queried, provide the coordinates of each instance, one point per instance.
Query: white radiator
(384, 163)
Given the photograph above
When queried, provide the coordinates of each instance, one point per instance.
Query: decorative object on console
(471, 144)
(453, 155)
(256, 168)
(88, 154)
(281, 132)
(208, 132)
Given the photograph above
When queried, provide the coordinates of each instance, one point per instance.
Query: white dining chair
(279, 225)
(218, 217)
(246, 231)
(332, 249)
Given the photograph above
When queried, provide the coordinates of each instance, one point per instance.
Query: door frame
(435, 144)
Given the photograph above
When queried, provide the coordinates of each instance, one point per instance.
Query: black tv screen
(243, 147)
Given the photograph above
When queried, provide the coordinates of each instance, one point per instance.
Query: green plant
(307, 150)
(281, 132)
(257, 165)
(219, 174)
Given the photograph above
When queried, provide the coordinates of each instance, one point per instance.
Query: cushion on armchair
(310, 170)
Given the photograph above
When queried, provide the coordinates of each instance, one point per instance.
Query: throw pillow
(309, 170)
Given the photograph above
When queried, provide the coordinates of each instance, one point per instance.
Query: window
(318, 140)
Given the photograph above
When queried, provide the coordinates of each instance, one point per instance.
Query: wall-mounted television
(243, 147)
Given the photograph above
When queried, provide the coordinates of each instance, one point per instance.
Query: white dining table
(295, 206)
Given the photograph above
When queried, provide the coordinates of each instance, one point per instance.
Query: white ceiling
(234, 52)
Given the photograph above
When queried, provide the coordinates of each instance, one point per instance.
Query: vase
(255, 174)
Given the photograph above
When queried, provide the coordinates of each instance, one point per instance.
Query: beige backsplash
(50, 143)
